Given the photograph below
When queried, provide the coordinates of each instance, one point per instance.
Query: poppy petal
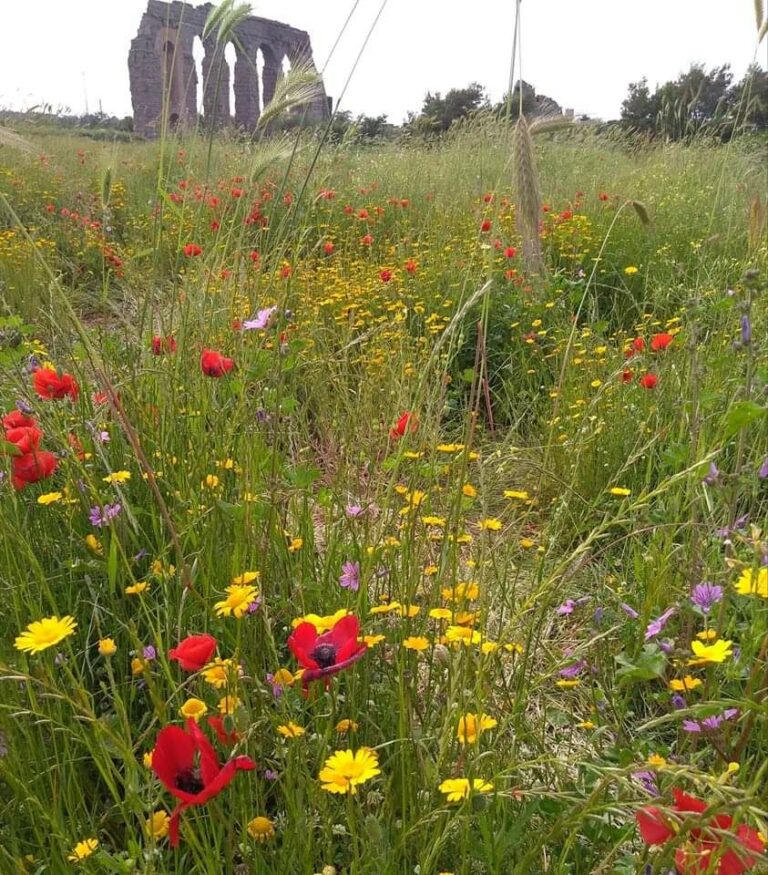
(653, 827)
(174, 753)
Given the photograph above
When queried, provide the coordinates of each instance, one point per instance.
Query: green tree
(439, 113)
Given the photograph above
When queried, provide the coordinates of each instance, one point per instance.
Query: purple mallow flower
(149, 652)
(762, 474)
(103, 516)
(353, 510)
(569, 605)
(706, 595)
(350, 576)
(678, 702)
(629, 611)
(655, 626)
(262, 320)
(710, 724)
(572, 670)
(648, 780)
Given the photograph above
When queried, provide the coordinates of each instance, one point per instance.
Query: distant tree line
(699, 101)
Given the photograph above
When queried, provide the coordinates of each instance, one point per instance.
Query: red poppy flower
(404, 424)
(173, 761)
(385, 275)
(367, 240)
(254, 255)
(328, 247)
(661, 341)
(48, 384)
(410, 266)
(638, 344)
(161, 345)
(16, 419)
(486, 226)
(648, 381)
(603, 196)
(228, 737)
(324, 655)
(695, 857)
(194, 652)
(214, 364)
(32, 467)
(510, 252)
(626, 375)
(191, 250)
(26, 438)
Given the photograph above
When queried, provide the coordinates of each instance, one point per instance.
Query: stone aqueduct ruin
(164, 80)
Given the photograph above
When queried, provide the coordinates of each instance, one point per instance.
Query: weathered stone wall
(163, 78)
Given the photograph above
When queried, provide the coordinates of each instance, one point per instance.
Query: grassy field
(252, 390)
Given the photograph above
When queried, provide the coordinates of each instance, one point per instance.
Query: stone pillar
(146, 73)
(270, 74)
(247, 110)
(215, 85)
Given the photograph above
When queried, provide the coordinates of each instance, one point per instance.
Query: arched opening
(230, 58)
(198, 53)
(286, 65)
(260, 75)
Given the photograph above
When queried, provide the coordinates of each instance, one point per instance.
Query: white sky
(583, 53)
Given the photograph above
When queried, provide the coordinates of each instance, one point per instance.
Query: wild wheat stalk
(528, 197)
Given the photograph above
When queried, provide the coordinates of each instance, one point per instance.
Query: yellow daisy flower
(44, 633)
(345, 770)
(238, 599)
(459, 789)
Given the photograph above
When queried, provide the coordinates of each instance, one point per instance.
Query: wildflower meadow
(353, 521)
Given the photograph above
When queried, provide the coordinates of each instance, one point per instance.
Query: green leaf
(741, 415)
(9, 449)
(303, 476)
(468, 375)
(650, 664)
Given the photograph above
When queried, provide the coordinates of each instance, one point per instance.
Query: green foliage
(699, 102)
(582, 505)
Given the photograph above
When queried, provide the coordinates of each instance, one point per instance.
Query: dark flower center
(324, 655)
(189, 781)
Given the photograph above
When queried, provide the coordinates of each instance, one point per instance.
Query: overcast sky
(583, 53)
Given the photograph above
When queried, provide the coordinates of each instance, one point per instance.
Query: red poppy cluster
(29, 463)
(659, 342)
(161, 345)
(735, 853)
